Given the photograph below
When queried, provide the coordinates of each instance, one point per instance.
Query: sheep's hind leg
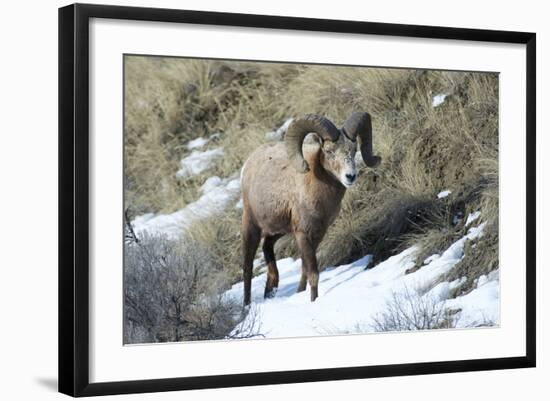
(251, 236)
(272, 272)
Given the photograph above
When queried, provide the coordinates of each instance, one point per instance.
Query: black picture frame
(74, 198)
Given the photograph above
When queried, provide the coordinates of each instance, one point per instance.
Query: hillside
(426, 220)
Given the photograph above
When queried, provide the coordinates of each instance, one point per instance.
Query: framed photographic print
(250, 199)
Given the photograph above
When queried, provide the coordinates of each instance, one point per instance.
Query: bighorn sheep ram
(287, 190)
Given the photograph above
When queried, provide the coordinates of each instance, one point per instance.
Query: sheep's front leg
(303, 279)
(309, 264)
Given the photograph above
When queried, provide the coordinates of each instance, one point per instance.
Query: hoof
(314, 294)
(271, 293)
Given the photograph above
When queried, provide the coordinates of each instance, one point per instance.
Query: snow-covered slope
(352, 296)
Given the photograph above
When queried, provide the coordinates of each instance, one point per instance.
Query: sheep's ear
(313, 137)
(301, 166)
(297, 131)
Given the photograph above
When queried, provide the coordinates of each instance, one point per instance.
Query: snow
(438, 99)
(481, 280)
(352, 295)
(217, 194)
(442, 291)
(196, 143)
(278, 134)
(430, 259)
(479, 307)
(443, 194)
(472, 217)
(198, 161)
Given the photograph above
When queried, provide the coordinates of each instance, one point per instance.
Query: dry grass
(424, 149)
(221, 235)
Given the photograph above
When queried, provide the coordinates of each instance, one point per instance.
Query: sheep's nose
(351, 177)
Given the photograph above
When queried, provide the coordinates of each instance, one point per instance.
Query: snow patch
(438, 99)
(198, 161)
(472, 217)
(480, 307)
(279, 133)
(196, 143)
(481, 280)
(443, 194)
(217, 194)
(442, 291)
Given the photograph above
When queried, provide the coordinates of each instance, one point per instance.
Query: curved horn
(359, 124)
(298, 130)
